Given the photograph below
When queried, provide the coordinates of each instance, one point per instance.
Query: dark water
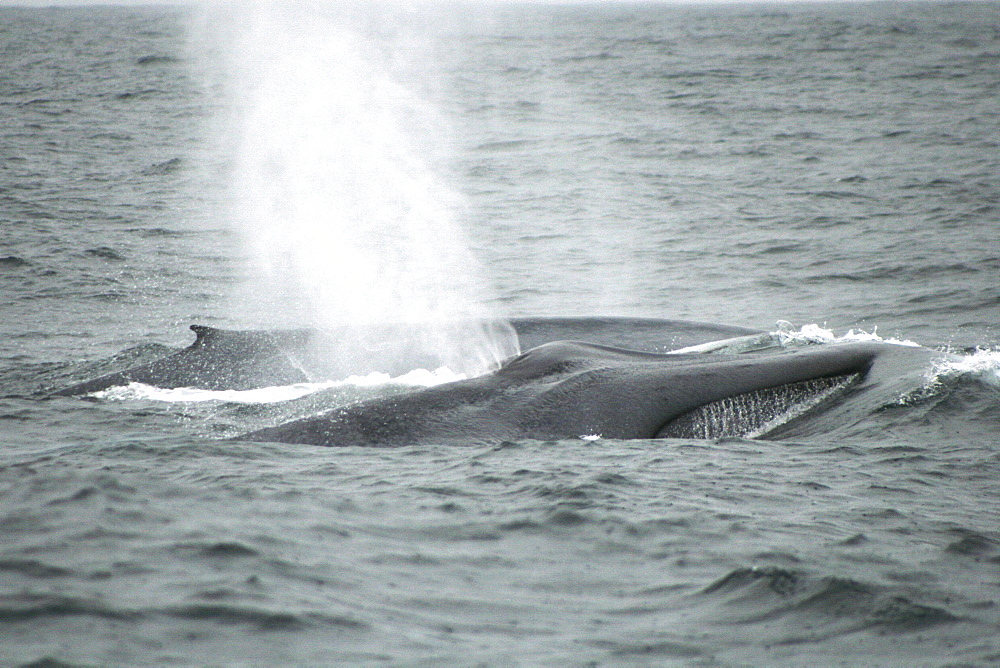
(827, 164)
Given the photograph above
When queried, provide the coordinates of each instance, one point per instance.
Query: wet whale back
(567, 390)
(645, 334)
(217, 360)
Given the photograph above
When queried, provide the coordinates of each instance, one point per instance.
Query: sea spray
(336, 172)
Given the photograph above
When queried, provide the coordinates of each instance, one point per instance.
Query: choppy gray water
(830, 164)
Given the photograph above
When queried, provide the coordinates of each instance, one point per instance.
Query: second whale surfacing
(567, 390)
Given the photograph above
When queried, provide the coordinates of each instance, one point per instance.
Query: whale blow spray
(337, 188)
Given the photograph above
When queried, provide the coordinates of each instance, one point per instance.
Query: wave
(755, 595)
(982, 365)
(35, 607)
(13, 262)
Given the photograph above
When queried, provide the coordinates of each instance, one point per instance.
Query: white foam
(267, 395)
(984, 365)
(813, 333)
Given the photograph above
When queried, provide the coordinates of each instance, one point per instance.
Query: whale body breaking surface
(632, 379)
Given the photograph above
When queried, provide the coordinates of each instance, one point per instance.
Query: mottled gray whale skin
(564, 390)
(653, 335)
(217, 360)
(222, 359)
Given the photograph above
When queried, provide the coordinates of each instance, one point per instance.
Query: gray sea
(836, 166)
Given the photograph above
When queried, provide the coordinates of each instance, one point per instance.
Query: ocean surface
(836, 166)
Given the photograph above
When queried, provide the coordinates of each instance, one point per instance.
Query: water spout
(337, 186)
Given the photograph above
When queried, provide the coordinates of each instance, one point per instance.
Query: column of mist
(336, 167)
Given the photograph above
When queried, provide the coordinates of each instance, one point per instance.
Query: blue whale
(566, 389)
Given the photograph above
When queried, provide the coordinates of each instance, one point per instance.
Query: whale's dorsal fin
(203, 334)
